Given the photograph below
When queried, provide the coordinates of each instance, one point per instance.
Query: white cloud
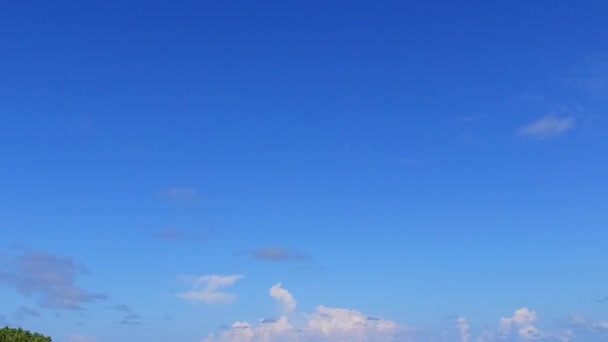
(206, 288)
(522, 323)
(349, 325)
(284, 297)
(279, 330)
(521, 327)
(324, 324)
(548, 127)
(464, 329)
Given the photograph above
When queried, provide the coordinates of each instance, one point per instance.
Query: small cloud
(175, 235)
(181, 194)
(49, 278)
(268, 320)
(121, 308)
(548, 127)
(284, 297)
(278, 254)
(23, 312)
(131, 319)
(206, 288)
(603, 300)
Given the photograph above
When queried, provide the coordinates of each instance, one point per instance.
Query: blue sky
(304, 170)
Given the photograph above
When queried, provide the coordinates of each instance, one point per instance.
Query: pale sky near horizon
(270, 171)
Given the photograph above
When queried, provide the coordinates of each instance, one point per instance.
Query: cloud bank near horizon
(327, 324)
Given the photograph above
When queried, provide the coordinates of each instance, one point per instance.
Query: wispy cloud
(269, 320)
(173, 234)
(591, 75)
(131, 319)
(584, 327)
(548, 127)
(207, 288)
(278, 254)
(181, 194)
(49, 278)
(24, 312)
(121, 308)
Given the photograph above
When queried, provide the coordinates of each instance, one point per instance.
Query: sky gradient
(269, 171)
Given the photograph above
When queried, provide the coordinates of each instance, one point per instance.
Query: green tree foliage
(19, 335)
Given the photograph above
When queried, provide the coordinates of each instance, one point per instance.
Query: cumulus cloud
(522, 322)
(344, 324)
(49, 278)
(548, 127)
(324, 324)
(463, 329)
(245, 332)
(278, 254)
(521, 327)
(284, 297)
(207, 288)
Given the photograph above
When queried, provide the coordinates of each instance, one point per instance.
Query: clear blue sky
(403, 169)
